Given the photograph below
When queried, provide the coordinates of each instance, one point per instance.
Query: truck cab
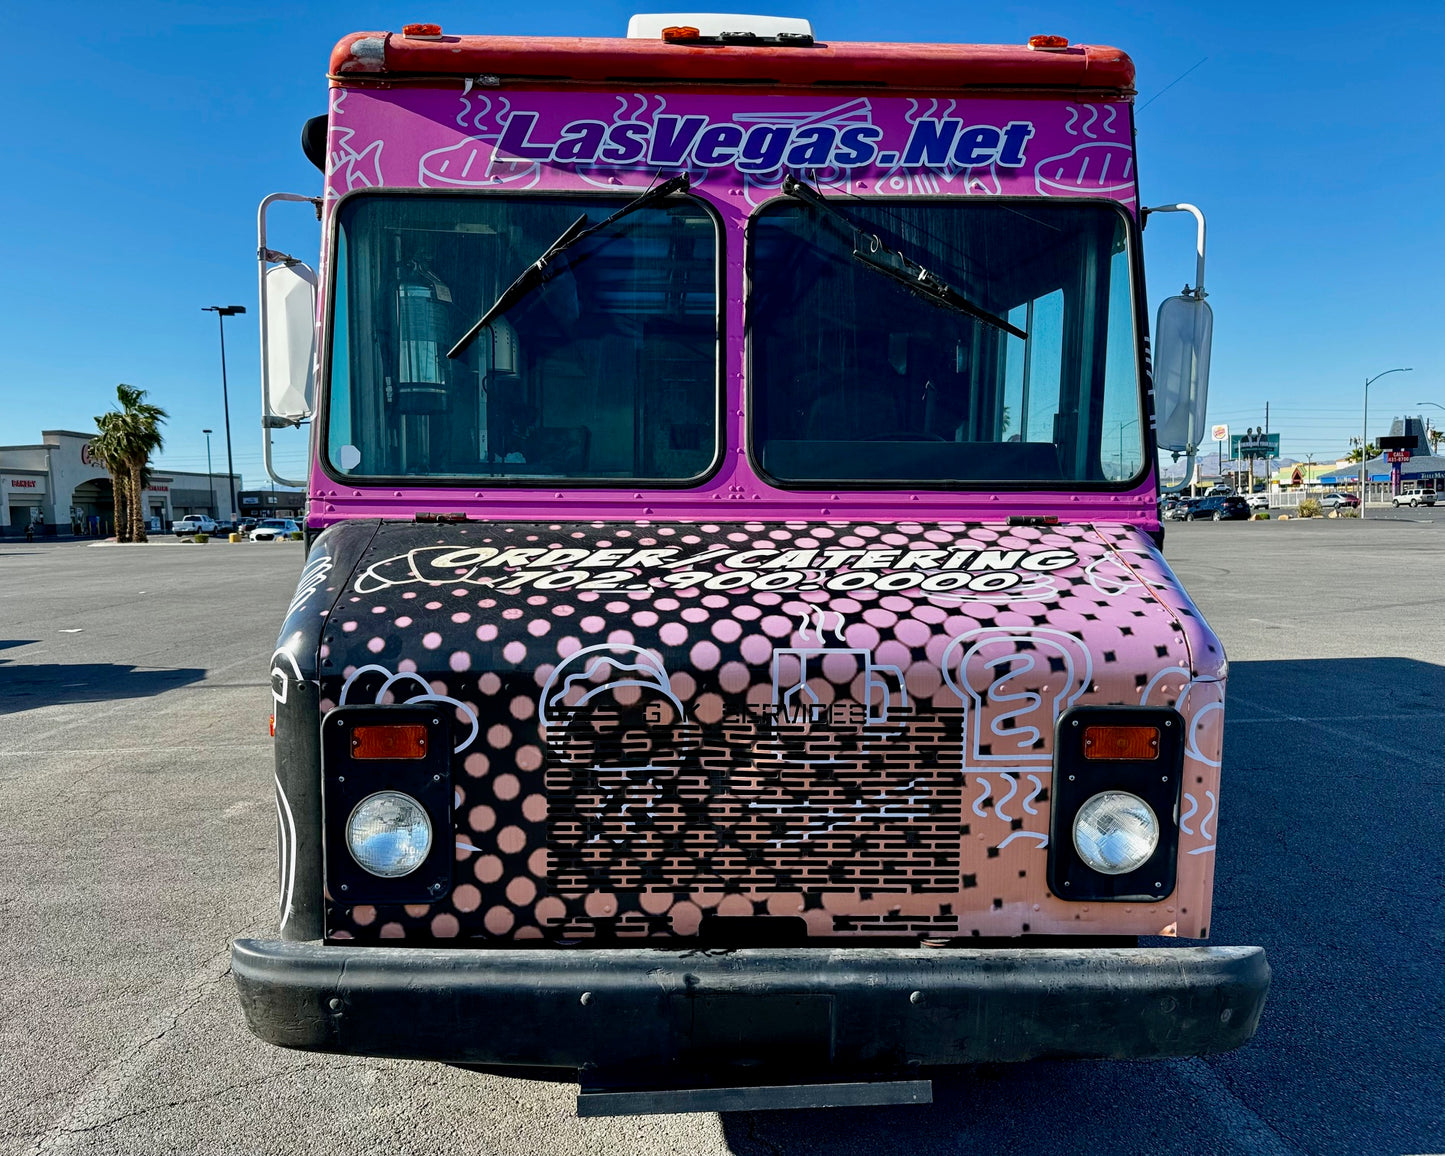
(734, 660)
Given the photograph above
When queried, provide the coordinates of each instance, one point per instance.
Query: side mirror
(288, 333)
(1182, 336)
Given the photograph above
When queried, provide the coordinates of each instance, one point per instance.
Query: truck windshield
(856, 379)
(607, 373)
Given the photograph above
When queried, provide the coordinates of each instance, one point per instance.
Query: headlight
(388, 834)
(1115, 832)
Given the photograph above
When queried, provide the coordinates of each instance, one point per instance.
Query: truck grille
(755, 808)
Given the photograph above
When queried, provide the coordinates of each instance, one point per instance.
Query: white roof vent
(722, 26)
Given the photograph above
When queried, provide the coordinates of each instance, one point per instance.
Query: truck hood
(850, 724)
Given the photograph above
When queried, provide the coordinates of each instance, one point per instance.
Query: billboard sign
(1254, 445)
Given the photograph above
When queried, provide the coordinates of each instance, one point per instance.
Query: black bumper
(820, 1009)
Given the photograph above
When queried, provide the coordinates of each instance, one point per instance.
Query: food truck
(734, 663)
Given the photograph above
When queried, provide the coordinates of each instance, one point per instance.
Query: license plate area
(773, 1030)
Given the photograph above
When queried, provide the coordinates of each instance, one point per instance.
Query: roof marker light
(1048, 43)
(680, 32)
(422, 31)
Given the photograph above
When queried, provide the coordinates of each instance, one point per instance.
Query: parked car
(1411, 496)
(194, 524)
(1258, 501)
(1219, 508)
(274, 530)
(1336, 501)
(1178, 511)
(245, 526)
(1219, 488)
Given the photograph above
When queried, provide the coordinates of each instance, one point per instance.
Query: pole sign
(1219, 433)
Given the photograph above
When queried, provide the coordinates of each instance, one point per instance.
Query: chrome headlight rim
(1095, 862)
(417, 860)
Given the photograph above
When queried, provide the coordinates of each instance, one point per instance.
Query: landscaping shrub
(201, 538)
(1347, 512)
(296, 537)
(1309, 508)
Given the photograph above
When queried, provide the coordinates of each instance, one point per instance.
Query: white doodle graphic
(349, 167)
(1111, 583)
(981, 666)
(313, 578)
(281, 677)
(1187, 703)
(934, 179)
(793, 667)
(474, 161)
(1093, 168)
(1032, 795)
(980, 804)
(1204, 832)
(390, 680)
(602, 669)
(286, 851)
(1042, 839)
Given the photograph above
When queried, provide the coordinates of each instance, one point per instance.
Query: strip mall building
(58, 489)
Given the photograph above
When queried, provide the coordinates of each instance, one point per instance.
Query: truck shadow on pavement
(1331, 823)
(25, 686)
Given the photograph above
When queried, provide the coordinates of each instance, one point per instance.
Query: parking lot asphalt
(135, 766)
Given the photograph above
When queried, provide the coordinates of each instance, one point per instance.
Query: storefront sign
(24, 487)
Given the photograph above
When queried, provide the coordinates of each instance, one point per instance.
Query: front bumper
(819, 1010)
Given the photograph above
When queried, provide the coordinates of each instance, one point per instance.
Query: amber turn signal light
(421, 31)
(1121, 744)
(681, 32)
(1049, 43)
(388, 742)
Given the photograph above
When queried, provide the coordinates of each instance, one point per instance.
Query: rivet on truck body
(916, 998)
(334, 1004)
(586, 998)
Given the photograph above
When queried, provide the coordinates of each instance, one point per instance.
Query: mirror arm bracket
(1185, 207)
(266, 256)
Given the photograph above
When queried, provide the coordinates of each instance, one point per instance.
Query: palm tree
(1354, 455)
(109, 450)
(141, 422)
(1436, 436)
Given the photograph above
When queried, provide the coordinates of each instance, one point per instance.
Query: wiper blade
(869, 249)
(536, 273)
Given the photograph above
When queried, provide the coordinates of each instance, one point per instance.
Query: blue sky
(140, 137)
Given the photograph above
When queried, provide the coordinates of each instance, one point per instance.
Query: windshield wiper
(872, 252)
(536, 273)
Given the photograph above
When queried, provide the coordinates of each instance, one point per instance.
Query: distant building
(56, 488)
(272, 503)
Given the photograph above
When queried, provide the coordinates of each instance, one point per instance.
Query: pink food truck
(734, 665)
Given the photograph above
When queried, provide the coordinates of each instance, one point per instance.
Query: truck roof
(363, 56)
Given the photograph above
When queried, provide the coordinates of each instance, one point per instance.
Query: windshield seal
(1137, 312)
(481, 482)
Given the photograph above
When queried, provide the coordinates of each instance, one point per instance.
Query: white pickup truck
(194, 524)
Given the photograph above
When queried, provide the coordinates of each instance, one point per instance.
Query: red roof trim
(368, 55)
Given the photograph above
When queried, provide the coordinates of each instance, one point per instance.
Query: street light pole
(1365, 432)
(222, 312)
(210, 477)
(1429, 445)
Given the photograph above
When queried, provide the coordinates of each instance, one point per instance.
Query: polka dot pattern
(655, 754)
